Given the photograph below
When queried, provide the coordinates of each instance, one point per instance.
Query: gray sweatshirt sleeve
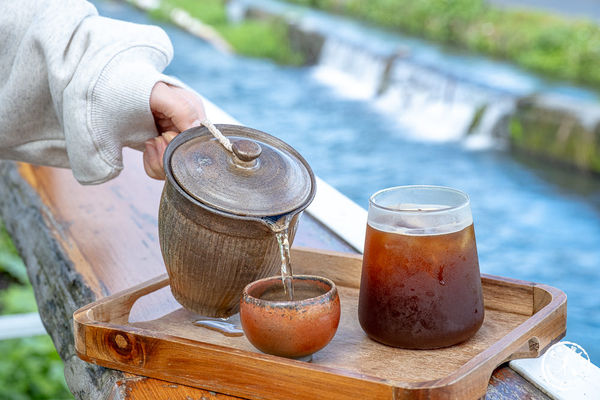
(74, 86)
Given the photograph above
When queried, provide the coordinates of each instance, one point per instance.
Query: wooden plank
(83, 243)
(136, 387)
(213, 368)
(516, 296)
(508, 385)
(170, 347)
(60, 289)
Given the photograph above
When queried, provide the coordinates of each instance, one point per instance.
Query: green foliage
(556, 46)
(516, 130)
(211, 12)
(10, 262)
(17, 299)
(262, 39)
(556, 136)
(30, 369)
(265, 38)
(476, 118)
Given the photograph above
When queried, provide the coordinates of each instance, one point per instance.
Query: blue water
(503, 77)
(533, 222)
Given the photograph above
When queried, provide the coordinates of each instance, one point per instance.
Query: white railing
(20, 326)
(344, 217)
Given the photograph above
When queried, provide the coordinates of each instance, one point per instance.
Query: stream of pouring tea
(286, 266)
(281, 229)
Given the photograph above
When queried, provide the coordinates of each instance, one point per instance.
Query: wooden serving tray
(143, 330)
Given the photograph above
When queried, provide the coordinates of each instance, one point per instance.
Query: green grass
(553, 45)
(10, 262)
(262, 39)
(17, 299)
(30, 368)
(211, 12)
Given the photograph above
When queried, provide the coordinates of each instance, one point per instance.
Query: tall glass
(420, 285)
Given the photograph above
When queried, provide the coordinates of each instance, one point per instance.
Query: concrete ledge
(558, 129)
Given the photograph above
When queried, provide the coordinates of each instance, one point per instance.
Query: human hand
(174, 109)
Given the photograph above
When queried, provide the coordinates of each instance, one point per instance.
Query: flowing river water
(533, 221)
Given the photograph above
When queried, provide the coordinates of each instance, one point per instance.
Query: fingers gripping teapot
(222, 197)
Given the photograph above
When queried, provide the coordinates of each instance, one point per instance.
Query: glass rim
(464, 204)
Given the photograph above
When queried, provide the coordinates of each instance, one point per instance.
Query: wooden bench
(83, 243)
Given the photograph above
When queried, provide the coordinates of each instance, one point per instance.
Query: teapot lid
(263, 176)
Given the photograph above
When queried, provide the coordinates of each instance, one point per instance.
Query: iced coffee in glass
(420, 285)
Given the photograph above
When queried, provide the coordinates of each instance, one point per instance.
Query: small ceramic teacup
(290, 328)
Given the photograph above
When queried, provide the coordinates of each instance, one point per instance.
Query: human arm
(76, 87)
(174, 109)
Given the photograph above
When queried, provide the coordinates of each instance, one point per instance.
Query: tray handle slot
(116, 308)
(529, 349)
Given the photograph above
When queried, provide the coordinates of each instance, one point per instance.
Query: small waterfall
(487, 133)
(430, 95)
(428, 104)
(353, 71)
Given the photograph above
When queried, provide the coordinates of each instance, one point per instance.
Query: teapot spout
(279, 223)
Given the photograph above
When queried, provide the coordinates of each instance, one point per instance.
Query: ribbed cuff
(119, 111)
(106, 104)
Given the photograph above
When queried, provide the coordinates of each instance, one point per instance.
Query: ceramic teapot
(218, 210)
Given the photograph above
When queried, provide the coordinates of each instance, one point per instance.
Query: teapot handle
(218, 135)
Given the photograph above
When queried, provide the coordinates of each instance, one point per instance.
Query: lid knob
(276, 180)
(246, 150)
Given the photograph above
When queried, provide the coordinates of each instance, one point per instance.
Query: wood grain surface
(170, 347)
(137, 387)
(82, 243)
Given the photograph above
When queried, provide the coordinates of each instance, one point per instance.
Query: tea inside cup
(296, 328)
